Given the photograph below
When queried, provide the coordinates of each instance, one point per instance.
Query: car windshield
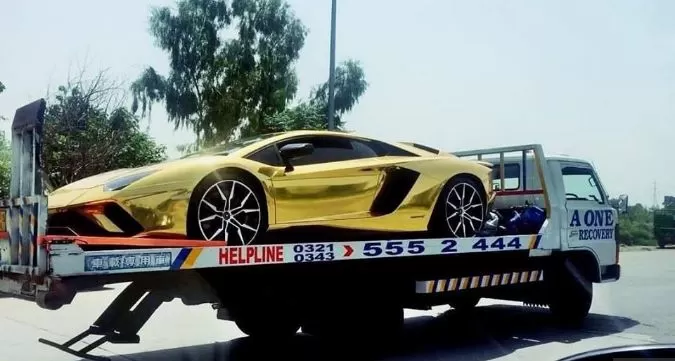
(229, 147)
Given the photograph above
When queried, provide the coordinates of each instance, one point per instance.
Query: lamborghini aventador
(240, 191)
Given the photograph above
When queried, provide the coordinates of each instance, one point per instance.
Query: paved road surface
(638, 309)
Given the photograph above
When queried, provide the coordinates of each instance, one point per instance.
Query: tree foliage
(90, 133)
(350, 84)
(221, 87)
(5, 159)
(5, 165)
(215, 84)
(636, 228)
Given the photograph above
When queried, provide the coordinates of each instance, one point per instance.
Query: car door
(591, 220)
(338, 180)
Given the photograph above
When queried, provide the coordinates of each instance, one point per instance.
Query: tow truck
(321, 285)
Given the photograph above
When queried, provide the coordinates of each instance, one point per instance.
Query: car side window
(581, 185)
(332, 149)
(267, 155)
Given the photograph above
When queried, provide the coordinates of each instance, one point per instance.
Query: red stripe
(520, 193)
(130, 241)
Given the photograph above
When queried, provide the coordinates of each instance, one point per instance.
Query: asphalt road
(637, 309)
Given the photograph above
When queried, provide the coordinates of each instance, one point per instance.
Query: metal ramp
(22, 260)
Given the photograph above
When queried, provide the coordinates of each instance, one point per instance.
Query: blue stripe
(182, 255)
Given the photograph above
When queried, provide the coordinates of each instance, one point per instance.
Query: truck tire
(464, 303)
(357, 324)
(266, 325)
(571, 294)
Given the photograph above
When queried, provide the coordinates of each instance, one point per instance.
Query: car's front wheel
(227, 207)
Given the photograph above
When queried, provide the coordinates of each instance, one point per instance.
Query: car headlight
(123, 181)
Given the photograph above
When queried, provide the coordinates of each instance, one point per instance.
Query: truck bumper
(611, 273)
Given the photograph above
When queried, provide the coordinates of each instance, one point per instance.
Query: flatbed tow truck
(321, 285)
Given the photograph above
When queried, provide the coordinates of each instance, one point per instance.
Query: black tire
(446, 221)
(264, 325)
(212, 188)
(464, 303)
(571, 294)
(354, 324)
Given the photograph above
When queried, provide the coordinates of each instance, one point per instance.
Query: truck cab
(582, 218)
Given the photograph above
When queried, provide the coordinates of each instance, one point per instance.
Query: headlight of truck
(123, 181)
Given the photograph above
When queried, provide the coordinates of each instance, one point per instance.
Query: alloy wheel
(464, 210)
(229, 211)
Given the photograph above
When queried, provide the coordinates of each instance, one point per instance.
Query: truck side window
(511, 176)
(581, 185)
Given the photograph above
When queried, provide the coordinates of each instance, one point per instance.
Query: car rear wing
(526, 151)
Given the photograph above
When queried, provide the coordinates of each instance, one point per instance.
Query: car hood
(100, 179)
(90, 188)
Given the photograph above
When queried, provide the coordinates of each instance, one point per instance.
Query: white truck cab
(582, 217)
(577, 243)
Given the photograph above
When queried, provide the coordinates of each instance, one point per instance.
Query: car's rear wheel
(229, 207)
(460, 209)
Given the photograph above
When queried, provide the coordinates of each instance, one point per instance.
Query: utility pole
(656, 206)
(331, 75)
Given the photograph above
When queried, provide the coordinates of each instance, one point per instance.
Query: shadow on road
(488, 333)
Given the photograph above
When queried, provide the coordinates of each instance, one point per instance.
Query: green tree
(89, 134)
(350, 84)
(221, 87)
(5, 165)
(5, 159)
(636, 226)
(214, 84)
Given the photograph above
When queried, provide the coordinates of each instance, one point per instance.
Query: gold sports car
(244, 190)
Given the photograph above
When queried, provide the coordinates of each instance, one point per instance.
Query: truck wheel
(464, 303)
(571, 294)
(358, 324)
(265, 325)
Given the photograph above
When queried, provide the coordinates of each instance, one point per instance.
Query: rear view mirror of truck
(620, 204)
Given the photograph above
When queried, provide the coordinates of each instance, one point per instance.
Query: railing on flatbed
(529, 150)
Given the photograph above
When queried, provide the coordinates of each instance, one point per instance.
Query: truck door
(591, 220)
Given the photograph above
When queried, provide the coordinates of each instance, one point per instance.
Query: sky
(594, 80)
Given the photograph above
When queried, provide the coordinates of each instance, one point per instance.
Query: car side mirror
(294, 150)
